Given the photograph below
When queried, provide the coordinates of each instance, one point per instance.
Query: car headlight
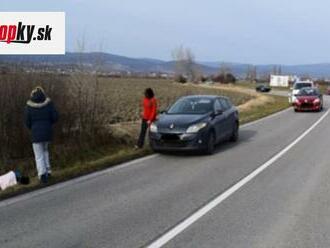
(153, 128)
(317, 101)
(196, 127)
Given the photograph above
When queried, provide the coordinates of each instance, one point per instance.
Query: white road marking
(169, 235)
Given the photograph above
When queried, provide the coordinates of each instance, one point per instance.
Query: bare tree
(185, 64)
(225, 68)
(277, 70)
(86, 87)
(251, 73)
(274, 70)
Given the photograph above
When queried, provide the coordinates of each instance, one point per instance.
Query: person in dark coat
(40, 116)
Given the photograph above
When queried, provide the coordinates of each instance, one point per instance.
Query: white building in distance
(282, 80)
(279, 81)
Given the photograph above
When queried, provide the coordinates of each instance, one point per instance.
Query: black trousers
(143, 131)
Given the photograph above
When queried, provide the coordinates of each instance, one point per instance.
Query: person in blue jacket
(40, 116)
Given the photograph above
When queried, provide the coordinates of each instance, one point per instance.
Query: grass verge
(123, 154)
(272, 105)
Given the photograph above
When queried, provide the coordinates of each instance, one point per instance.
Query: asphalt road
(286, 205)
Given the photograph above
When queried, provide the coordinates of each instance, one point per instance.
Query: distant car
(296, 87)
(308, 99)
(195, 123)
(263, 88)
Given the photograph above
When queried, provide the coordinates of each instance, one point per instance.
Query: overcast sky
(247, 31)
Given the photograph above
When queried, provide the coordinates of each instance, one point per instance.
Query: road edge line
(176, 230)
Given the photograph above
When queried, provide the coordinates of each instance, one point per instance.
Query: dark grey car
(195, 123)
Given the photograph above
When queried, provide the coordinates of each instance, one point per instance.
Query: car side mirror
(217, 112)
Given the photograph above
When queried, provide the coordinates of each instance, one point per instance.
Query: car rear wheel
(235, 133)
(210, 144)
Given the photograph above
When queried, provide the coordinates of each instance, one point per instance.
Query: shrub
(224, 78)
(203, 79)
(180, 79)
(79, 101)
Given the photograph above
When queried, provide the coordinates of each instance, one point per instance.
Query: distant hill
(108, 62)
(313, 70)
(111, 62)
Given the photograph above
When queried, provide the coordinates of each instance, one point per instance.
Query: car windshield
(192, 106)
(302, 85)
(308, 92)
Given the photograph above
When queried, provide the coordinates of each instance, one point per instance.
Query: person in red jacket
(149, 105)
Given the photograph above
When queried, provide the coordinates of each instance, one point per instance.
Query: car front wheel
(235, 133)
(210, 144)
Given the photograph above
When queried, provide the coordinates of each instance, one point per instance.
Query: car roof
(211, 97)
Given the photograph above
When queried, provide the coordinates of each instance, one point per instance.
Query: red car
(308, 99)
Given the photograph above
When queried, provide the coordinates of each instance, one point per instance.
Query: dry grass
(256, 99)
(88, 105)
(260, 100)
(121, 102)
(125, 95)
